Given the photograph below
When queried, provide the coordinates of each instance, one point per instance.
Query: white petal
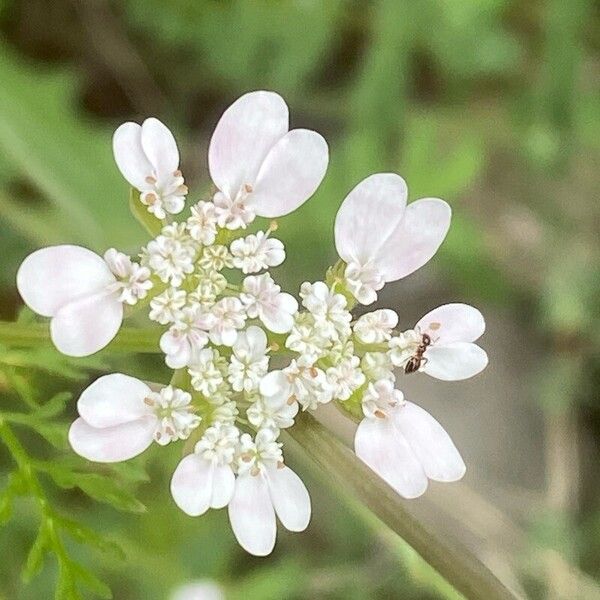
(176, 348)
(276, 386)
(50, 277)
(368, 216)
(385, 450)
(289, 497)
(415, 240)
(430, 443)
(160, 147)
(278, 317)
(252, 516)
(251, 344)
(192, 485)
(246, 132)
(222, 486)
(111, 444)
(455, 361)
(113, 399)
(85, 326)
(130, 156)
(290, 174)
(452, 323)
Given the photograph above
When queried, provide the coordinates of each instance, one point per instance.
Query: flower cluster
(248, 357)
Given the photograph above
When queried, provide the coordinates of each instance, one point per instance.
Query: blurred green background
(492, 105)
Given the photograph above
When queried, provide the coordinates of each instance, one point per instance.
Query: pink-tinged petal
(290, 174)
(246, 132)
(368, 216)
(252, 516)
(452, 323)
(113, 399)
(176, 348)
(455, 361)
(130, 156)
(222, 487)
(192, 484)
(289, 497)
(85, 326)
(415, 240)
(430, 443)
(279, 318)
(160, 147)
(385, 450)
(111, 444)
(50, 277)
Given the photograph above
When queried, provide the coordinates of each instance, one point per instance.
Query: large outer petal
(50, 277)
(87, 325)
(160, 147)
(290, 174)
(369, 215)
(275, 387)
(130, 156)
(192, 484)
(289, 497)
(252, 515)
(455, 361)
(113, 399)
(222, 487)
(246, 132)
(111, 444)
(452, 323)
(385, 450)
(279, 316)
(415, 240)
(430, 443)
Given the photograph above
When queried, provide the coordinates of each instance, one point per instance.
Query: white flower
(167, 306)
(229, 317)
(379, 398)
(205, 374)
(259, 167)
(345, 377)
(171, 259)
(211, 284)
(249, 361)
(121, 415)
(450, 354)
(76, 288)
(265, 487)
(328, 308)
(309, 385)
(215, 258)
(375, 327)
(272, 413)
(308, 339)
(205, 479)
(202, 224)
(381, 239)
(133, 280)
(406, 446)
(148, 158)
(257, 252)
(265, 300)
(186, 337)
(377, 365)
(204, 589)
(225, 413)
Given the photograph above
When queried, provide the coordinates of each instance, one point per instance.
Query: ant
(414, 362)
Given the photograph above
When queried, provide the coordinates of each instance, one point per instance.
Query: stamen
(434, 326)
(149, 401)
(151, 180)
(254, 471)
(379, 414)
(177, 173)
(292, 399)
(247, 188)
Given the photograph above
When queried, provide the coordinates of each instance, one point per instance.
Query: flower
(259, 167)
(77, 289)
(451, 354)
(205, 374)
(264, 300)
(265, 487)
(215, 258)
(381, 239)
(256, 252)
(272, 412)
(120, 416)
(148, 158)
(375, 327)
(308, 385)
(202, 224)
(345, 377)
(229, 316)
(249, 362)
(308, 339)
(167, 306)
(203, 589)
(328, 309)
(377, 365)
(133, 281)
(170, 257)
(186, 337)
(205, 478)
(403, 443)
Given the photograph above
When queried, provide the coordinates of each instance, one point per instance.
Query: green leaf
(54, 406)
(90, 580)
(85, 535)
(35, 557)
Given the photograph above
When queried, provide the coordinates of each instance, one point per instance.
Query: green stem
(351, 480)
(37, 335)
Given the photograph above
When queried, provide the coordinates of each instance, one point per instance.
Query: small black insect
(415, 361)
